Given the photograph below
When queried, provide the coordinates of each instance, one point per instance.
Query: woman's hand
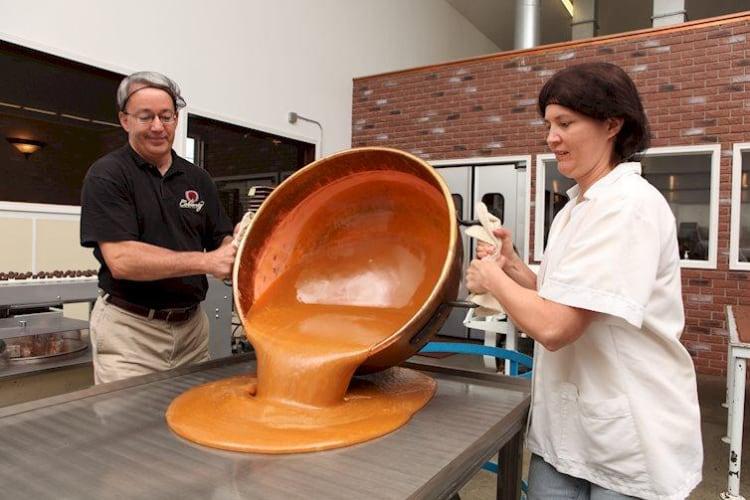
(485, 249)
(482, 272)
(506, 250)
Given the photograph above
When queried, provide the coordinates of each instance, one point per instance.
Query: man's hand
(219, 262)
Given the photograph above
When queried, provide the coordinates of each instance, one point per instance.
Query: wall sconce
(293, 117)
(25, 146)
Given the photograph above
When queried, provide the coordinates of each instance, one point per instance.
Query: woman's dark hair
(601, 90)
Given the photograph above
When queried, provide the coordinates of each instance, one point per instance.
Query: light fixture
(568, 6)
(26, 147)
(293, 117)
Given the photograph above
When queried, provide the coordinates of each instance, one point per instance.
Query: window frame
(181, 133)
(198, 150)
(713, 226)
(713, 203)
(459, 209)
(736, 214)
(502, 217)
(540, 180)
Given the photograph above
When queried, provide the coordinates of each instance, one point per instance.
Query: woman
(614, 403)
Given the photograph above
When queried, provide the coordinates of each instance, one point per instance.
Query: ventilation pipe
(528, 23)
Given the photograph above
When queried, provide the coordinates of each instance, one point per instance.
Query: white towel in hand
(488, 305)
(256, 195)
(244, 224)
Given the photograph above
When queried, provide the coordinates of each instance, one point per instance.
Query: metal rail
(47, 292)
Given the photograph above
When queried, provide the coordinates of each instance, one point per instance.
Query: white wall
(253, 61)
(45, 238)
(248, 61)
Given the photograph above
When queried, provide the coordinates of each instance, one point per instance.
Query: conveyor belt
(112, 442)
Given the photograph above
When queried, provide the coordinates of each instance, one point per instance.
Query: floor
(711, 393)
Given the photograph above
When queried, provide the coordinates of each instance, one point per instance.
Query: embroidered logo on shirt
(191, 201)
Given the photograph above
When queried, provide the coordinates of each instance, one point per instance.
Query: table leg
(490, 339)
(728, 397)
(730, 389)
(737, 409)
(511, 343)
(510, 463)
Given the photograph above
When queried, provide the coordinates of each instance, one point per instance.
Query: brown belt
(170, 315)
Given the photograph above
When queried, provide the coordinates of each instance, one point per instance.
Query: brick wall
(694, 80)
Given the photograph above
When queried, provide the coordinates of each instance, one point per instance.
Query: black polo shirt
(124, 198)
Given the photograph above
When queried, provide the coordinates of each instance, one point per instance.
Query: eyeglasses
(148, 118)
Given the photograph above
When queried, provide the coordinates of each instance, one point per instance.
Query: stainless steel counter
(112, 441)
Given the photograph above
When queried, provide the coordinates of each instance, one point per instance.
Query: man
(157, 228)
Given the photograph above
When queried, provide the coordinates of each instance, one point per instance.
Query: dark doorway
(238, 158)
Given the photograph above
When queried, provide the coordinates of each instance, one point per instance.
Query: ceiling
(496, 18)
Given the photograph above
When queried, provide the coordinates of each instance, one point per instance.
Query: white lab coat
(618, 406)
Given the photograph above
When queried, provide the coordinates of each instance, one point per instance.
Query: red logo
(191, 201)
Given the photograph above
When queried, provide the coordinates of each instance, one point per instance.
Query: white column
(528, 23)
(180, 133)
(584, 23)
(667, 12)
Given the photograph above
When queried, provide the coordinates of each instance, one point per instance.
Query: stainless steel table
(112, 441)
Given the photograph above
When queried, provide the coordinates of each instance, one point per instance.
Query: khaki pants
(126, 345)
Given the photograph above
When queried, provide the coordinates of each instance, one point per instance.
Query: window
(739, 245)
(66, 107)
(495, 203)
(194, 150)
(550, 200)
(687, 176)
(238, 157)
(190, 149)
(458, 201)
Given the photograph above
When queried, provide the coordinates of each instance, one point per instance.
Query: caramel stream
(350, 290)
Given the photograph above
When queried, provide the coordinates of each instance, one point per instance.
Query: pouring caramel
(346, 272)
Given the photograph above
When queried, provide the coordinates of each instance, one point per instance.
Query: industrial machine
(36, 336)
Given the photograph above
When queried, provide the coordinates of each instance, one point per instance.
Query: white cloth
(488, 304)
(244, 225)
(618, 406)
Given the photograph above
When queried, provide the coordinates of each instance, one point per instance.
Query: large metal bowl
(347, 192)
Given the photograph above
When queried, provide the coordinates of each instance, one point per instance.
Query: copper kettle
(344, 201)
